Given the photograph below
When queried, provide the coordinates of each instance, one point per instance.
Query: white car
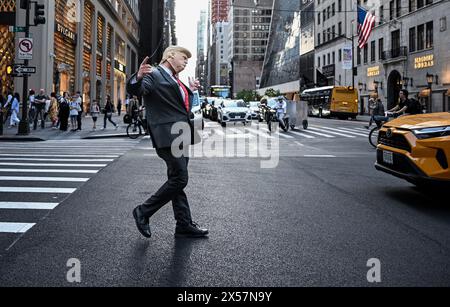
(199, 123)
(234, 111)
(254, 106)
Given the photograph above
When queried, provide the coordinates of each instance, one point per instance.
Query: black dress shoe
(191, 230)
(142, 223)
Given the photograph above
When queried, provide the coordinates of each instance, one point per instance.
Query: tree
(248, 95)
(272, 93)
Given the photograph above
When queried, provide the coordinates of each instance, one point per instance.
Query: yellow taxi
(416, 148)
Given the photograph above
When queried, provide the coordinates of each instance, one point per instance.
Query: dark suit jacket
(164, 106)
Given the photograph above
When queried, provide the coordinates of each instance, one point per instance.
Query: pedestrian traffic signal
(24, 4)
(9, 70)
(38, 14)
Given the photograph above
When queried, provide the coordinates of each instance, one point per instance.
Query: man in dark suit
(167, 102)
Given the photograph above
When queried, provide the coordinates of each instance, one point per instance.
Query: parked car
(416, 148)
(199, 123)
(234, 111)
(254, 107)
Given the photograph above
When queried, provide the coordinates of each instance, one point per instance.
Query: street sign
(25, 49)
(19, 69)
(15, 29)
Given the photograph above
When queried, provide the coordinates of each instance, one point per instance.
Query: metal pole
(24, 128)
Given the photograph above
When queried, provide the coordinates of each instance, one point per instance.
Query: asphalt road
(314, 220)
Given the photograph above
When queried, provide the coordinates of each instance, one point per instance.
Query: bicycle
(379, 122)
(135, 128)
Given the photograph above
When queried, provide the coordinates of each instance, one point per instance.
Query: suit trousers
(172, 189)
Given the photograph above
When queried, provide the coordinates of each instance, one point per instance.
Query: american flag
(366, 22)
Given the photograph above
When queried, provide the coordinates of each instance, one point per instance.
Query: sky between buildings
(187, 15)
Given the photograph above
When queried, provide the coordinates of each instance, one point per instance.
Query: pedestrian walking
(79, 101)
(7, 107)
(108, 110)
(119, 106)
(64, 112)
(127, 103)
(15, 106)
(39, 103)
(53, 110)
(95, 112)
(74, 110)
(167, 101)
(32, 112)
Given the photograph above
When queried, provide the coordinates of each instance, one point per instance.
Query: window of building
(366, 54)
(318, 18)
(398, 8)
(380, 48)
(391, 10)
(411, 6)
(340, 55)
(328, 58)
(419, 4)
(381, 14)
(324, 58)
(372, 51)
(318, 39)
(333, 31)
(318, 61)
(429, 35)
(340, 28)
(339, 5)
(412, 39)
(420, 37)
(333, 9)
(333, 57)
(358, 56)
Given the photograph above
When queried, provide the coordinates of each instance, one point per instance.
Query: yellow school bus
(332, 101)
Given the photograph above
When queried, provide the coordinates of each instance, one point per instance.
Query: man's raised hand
(144, 69)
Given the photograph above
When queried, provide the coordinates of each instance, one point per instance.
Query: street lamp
(430, 79)
(405, 82)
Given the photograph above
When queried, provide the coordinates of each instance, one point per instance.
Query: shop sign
(424, 61)
(119, 66)
(328, 70)
(373, 71)
(69, 35)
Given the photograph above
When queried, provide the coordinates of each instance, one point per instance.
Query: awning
(424, 93)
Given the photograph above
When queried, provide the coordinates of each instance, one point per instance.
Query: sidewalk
(10, 134)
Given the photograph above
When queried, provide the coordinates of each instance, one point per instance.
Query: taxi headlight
(427, 133)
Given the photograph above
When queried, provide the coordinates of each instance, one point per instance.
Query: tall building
(335, 28)
(7, 47)
(201, 64)
(410, 40)
(281, 70)
(170, 37)
(219, 11)
(249, 33)
(152, 30)
(86, 46)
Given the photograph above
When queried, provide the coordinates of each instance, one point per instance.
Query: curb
(21, 139)
(106, 136)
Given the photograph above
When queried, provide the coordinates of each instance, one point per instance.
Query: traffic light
(9, 70)
(38, 14)
(24, 4)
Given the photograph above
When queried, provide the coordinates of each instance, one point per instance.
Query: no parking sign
(25, 49)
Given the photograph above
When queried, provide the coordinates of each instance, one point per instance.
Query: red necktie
(186, 94)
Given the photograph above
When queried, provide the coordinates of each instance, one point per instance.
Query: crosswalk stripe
(54, 171)
(15, 227)
(28, 205)
(303, 135)
(56, 160)
(361, 129)
(36, 190)
(340, 130)
(44, 179)
(52, 164)
(318, 133)
(59, 156)
(335, 133)
(285, 136)
(218, 132)
(355, 131)
(260, 133)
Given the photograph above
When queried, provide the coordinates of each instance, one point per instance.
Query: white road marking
(28, 205)
(15, 227)
(45, 179)
(335, 133)
(56, 160)
(62, 171)
(52, 165)
(36, 190)
(303, 135)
